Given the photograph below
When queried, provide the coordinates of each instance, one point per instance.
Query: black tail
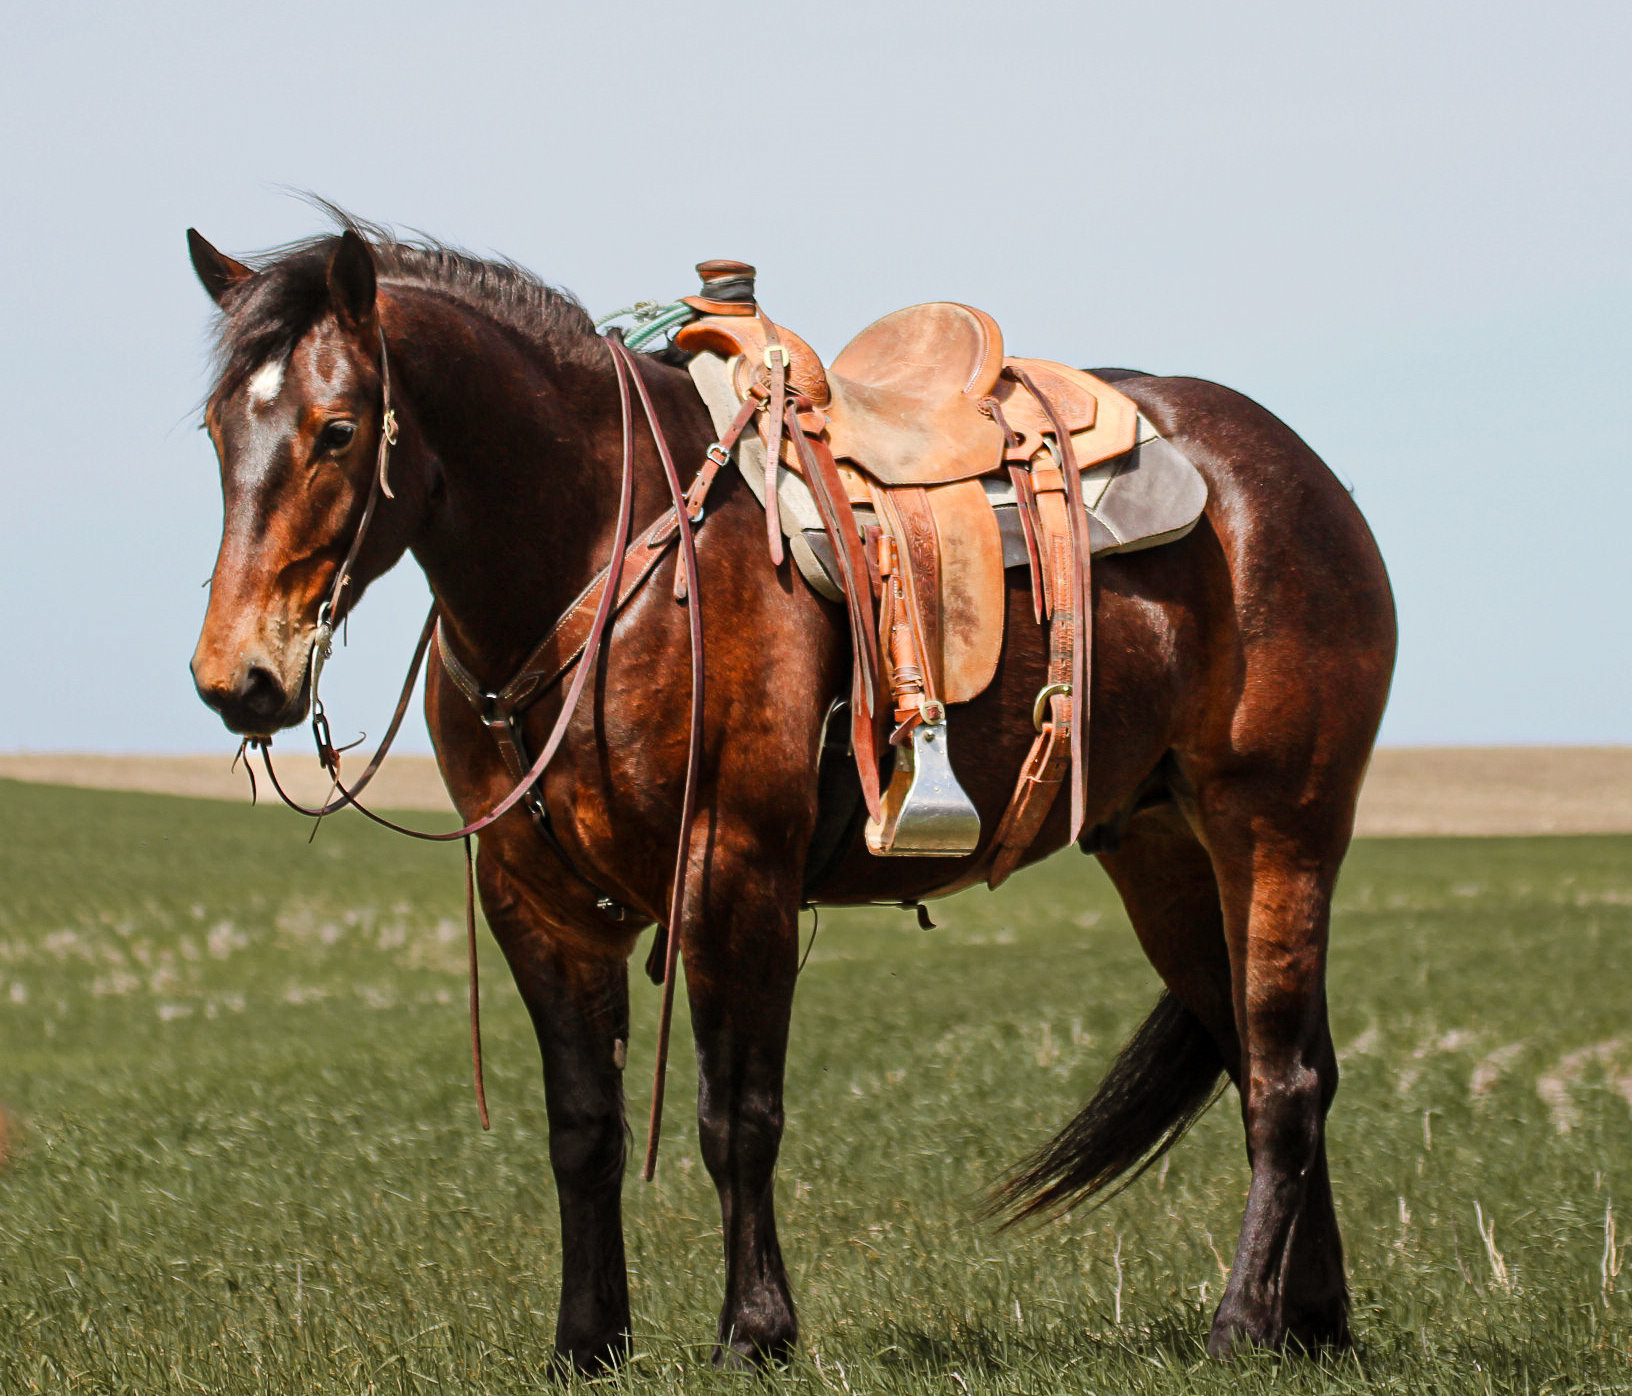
(1159, 1085)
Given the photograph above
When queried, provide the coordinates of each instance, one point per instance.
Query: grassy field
(243, 1155)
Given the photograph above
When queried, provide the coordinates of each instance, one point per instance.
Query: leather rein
(573, 644)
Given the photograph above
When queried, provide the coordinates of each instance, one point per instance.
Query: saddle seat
(905, 396)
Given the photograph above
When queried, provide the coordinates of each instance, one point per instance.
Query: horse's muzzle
(253, 699)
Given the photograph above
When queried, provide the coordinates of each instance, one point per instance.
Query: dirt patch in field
(1410, 790)
(404, 782)
(1498, 790)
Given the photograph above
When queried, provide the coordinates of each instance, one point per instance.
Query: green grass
(244, 1158)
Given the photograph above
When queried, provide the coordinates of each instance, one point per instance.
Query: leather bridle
(329, 611)
(575, 642)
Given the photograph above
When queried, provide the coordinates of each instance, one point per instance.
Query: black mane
(265, 317)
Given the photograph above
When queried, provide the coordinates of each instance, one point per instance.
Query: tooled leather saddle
(904, 478)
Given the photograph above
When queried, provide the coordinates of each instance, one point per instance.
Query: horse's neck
(525, 456)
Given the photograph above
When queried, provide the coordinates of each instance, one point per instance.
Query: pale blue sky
(1402, 227)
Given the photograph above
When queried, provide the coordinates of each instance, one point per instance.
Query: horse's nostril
(263, 692)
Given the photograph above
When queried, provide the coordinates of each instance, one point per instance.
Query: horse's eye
(336, 436)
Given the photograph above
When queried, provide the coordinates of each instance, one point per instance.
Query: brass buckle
(771, 353)
(1047, 692)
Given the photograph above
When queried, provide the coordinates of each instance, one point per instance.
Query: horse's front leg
(576, 988)
(741, 963)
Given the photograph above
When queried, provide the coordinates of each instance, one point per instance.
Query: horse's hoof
(1236, 1333)
(1316, 1333)
(1309, 1333)
(742, 1356)
(591, 1359)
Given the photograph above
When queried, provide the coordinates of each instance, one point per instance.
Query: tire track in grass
(1556, 1087)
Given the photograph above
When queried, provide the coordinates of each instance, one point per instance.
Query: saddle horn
(728, 288)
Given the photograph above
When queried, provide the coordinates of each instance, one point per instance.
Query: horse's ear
(219, 273)
(351, 282)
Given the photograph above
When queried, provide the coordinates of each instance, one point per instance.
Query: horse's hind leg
(1276, 859)
(579, 1005)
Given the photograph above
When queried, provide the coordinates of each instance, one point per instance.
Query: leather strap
(679, 885)
(917, 567)
(1039, 786)
(1054, 517)
(329, 612)
(833, 505)
(1081, 598)
(1049, 759)
(776, 363)
(326, 751)
(567, 639)
(475, 981)
(1026, 507)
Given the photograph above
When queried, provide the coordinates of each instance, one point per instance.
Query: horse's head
(295, 418)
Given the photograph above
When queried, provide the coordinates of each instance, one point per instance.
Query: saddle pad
(1145, 497)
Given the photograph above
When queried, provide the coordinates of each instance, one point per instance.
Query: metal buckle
(490, 714)
(1044, 694)
(324, 738)
(322, 647)
(772, 351)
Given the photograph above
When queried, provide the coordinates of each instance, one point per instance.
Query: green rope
(652, 320)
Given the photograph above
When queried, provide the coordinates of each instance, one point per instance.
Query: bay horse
(1238, 679)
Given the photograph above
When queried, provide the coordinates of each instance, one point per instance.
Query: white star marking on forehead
(267, 381)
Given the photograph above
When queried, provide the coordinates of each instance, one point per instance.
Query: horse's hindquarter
(1301, 649)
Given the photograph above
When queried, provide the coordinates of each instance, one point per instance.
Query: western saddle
(901, 443)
